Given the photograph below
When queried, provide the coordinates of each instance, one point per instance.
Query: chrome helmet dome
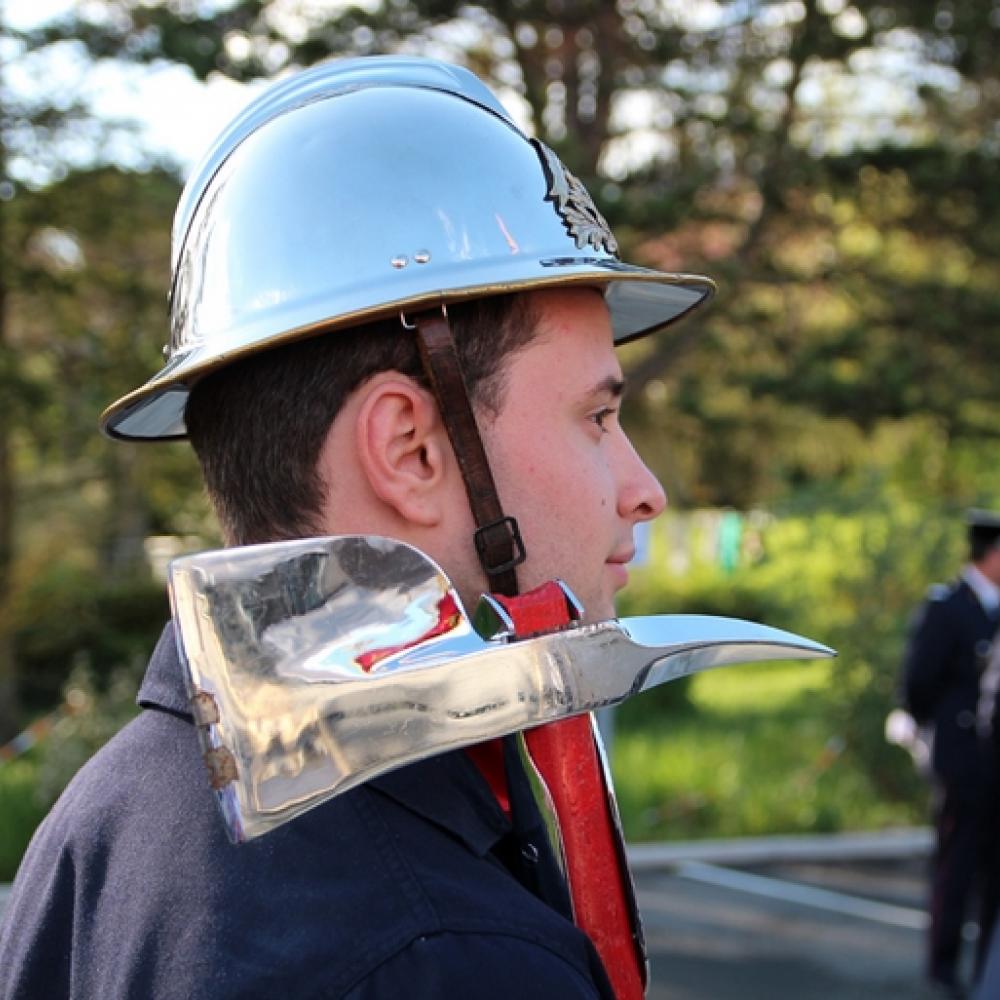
(366, 188)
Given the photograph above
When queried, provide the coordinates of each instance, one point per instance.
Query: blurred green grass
(752, 752)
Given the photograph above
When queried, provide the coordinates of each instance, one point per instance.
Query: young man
(947, 654)
(392, 314)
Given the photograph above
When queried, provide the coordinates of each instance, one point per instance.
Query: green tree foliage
(78, 255)
(86, 313)
(88, 317)
(833, 165)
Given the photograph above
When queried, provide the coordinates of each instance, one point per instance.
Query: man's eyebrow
(611, 384)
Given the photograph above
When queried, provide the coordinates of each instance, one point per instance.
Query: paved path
(805, 930)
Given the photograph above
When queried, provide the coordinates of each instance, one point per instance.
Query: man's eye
(602, 416)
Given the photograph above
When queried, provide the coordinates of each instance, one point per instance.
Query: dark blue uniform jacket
(414, 885)
(949, 642)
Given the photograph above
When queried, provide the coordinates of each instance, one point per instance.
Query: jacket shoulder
(938, 592)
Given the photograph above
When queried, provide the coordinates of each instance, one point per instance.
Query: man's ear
(403, 448)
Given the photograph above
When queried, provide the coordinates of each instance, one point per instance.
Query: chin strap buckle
(499, 540)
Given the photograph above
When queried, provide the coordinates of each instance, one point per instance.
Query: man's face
(989, 566)
(563, 465)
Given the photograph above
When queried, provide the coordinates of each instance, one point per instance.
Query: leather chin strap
(497, 538)
(563, 756)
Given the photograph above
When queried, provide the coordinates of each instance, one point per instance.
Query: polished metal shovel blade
(314, 665)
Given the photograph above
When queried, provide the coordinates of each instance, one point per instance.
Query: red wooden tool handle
(565, 755)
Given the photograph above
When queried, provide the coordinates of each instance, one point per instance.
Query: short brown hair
(257, 425)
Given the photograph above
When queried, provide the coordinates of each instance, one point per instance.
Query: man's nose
(641, 497)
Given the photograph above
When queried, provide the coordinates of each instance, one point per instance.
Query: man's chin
(600, 610)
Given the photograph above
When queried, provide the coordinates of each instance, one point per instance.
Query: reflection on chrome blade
(314, 665)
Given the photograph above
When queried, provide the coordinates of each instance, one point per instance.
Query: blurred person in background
(988, 980)
(949, 648)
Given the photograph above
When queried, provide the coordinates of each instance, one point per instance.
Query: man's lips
(618, 563)
(623, 557)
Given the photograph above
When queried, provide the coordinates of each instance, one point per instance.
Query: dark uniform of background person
(988, 983)
(947, 654)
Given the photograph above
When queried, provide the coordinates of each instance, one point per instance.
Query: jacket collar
(446, 790)
(163, 686)
(985, 590)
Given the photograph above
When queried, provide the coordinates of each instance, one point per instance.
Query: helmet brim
(641, 302)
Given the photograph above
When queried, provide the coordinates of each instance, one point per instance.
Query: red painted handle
(565, 755)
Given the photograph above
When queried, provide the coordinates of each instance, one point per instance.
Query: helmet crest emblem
(574, 205)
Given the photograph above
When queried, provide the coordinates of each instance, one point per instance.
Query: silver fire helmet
(364, 188)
